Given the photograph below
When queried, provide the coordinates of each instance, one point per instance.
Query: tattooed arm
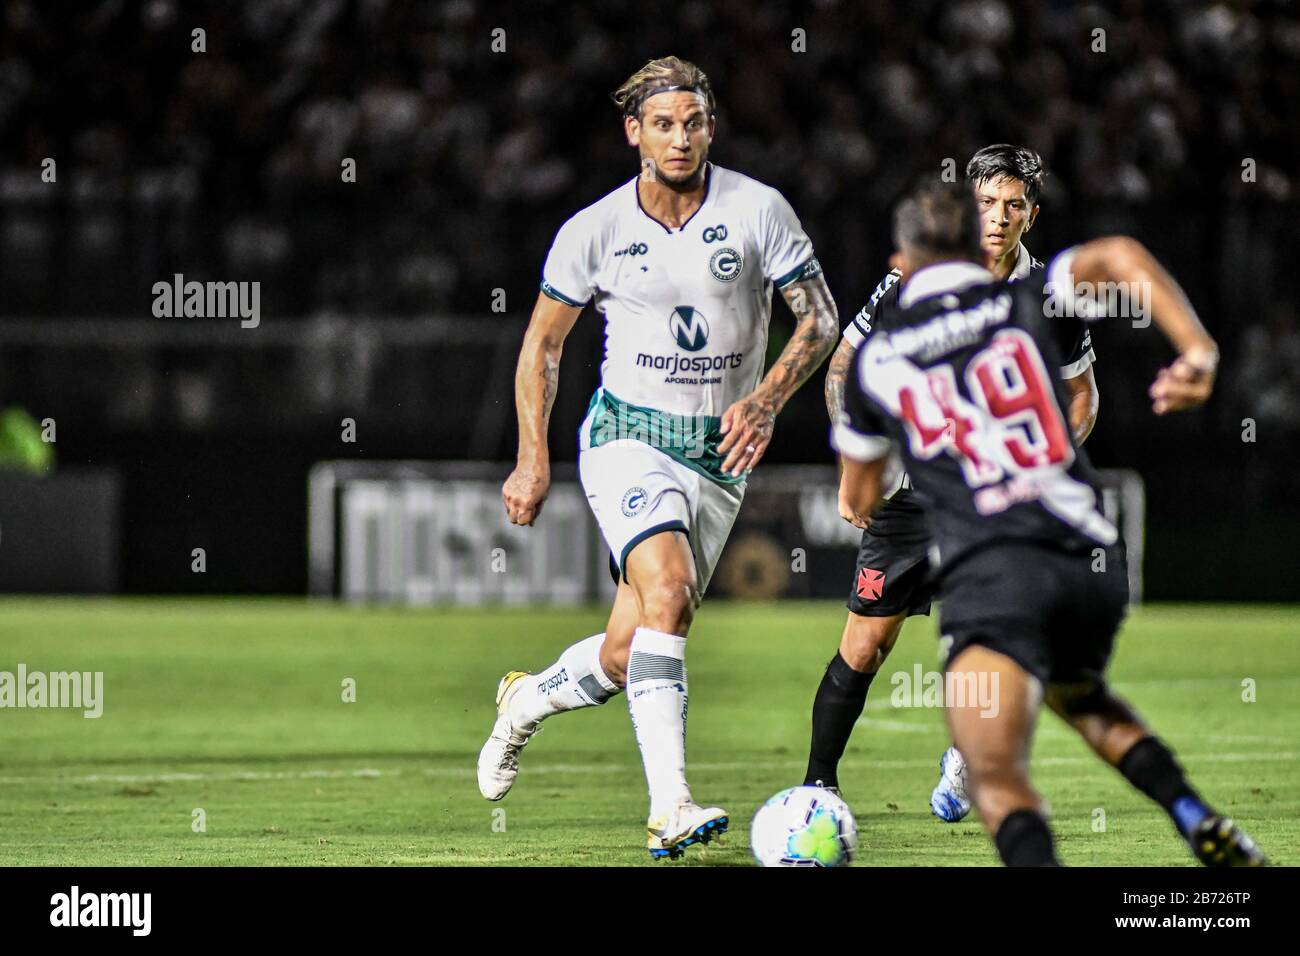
(537, 378)
(885, 296)
(836, 376)
(836, 379)
(748, 423)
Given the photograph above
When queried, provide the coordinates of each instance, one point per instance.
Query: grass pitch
(225, 738)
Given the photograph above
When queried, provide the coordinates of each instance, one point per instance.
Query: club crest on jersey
(725, 264)
(634, 501)
(689, 328)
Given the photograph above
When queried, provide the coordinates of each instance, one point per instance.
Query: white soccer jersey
(686, 310)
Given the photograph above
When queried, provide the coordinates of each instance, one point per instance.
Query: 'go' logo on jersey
(689, 328)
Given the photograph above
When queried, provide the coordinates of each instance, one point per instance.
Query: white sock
(575, 680)
(656, 697)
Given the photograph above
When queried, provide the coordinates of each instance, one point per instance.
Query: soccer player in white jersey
(681, 262)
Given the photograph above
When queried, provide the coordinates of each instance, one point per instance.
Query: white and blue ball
(804, 826)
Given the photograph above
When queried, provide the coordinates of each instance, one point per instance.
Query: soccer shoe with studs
(498, 761)
(950, 799)
(668, 837)
(1218, 842)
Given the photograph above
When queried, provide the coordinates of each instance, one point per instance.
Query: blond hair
(664, 73)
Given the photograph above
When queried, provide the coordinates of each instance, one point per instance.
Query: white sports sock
(656, 698)
(574, 681)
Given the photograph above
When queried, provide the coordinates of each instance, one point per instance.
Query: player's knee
(867, 641)
(669, 604)
(1080, 699)
(860, 649)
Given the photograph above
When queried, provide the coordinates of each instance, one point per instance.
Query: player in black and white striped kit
(892, 577)
(1031, 572)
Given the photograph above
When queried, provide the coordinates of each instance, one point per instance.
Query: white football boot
(498, 761)
(950, 800)
(668, 837)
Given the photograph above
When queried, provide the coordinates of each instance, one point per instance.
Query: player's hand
(747, 430)
(1187, 383)
(851, 516)
(524, 493)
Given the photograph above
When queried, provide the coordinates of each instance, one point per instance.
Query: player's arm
(537, 377)
(861, 484)
(1083, 404)
(855, 333)
(836, 375)
(1187, 382)
(860, 435)
(864, 454)
(747, 425)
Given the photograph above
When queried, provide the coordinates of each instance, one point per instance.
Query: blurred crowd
(227, 163)
(476, 129)
(209, 138)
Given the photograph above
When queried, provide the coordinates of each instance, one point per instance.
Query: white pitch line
(179, 777)
(578, 768)
(899, 726)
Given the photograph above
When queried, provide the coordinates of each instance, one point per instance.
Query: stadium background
(225, 165)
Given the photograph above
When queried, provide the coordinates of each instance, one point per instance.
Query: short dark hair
(939, 221)
(1005, 161)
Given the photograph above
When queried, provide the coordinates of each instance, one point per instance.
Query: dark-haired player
(961, 387)
(891, 580)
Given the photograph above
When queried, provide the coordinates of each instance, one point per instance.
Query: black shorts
(1054, 612)
(893, 571)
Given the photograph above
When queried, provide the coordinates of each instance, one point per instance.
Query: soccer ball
(804, 826)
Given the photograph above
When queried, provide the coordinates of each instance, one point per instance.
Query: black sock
(1150, 766)
(839, 702)
(1024, 839)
